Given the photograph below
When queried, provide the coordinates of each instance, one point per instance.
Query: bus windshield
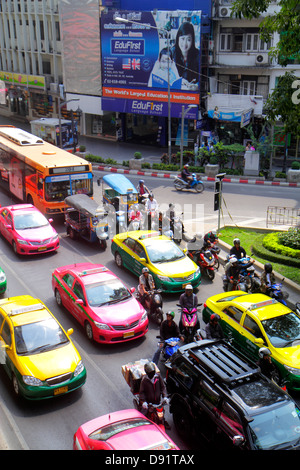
(57, 188)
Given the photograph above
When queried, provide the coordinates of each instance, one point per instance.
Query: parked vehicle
(155, 313)
(196, 184)
(85, 219)
(220, 398)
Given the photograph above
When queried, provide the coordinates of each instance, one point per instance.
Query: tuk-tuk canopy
(85, 205)
(120, 183)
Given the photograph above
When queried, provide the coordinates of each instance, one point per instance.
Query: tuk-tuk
(120, 192)
(84, 218)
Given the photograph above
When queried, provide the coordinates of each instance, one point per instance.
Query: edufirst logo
(147, 106)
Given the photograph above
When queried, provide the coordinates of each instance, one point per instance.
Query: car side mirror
(259, 342)
(79, 302)
(132, 290)
(143, 260)
(237, 440)
(70, 331)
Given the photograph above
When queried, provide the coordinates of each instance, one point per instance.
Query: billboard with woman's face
(141, 56)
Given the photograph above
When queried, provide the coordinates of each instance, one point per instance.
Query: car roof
(20, 208)
(24, 309)
(88, 272)
(144, 236)
(260, 305)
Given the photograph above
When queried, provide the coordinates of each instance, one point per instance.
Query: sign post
(218, 196)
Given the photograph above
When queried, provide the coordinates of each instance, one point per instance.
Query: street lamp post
(183, 114)
(125, 20)
(59, 116)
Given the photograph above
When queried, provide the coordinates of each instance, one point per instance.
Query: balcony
(241, 59)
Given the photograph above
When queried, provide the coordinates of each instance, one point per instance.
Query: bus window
(81, 187)
(57, 191)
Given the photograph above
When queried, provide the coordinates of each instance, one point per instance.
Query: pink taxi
(27, 230)
(100, 302)
(122, 430)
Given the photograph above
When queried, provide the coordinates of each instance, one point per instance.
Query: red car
(27, 230)
(100, 301)
(122, 430)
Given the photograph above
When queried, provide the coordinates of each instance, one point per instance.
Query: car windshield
(106, 292)
(164, 251)
(276, 429)
(39, 336)
(30, 220)
(283, 330)
(111, 430)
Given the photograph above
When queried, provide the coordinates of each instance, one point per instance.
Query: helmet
(215, 317)
(233, 260)
(189, 287)
(151, 195)
(214, 233)
(186, 165)
(236, 241)
(149, 368)
(268, 268)
(145, 270)
(141, 181)
(264, 352)
(172, 314)
(171, 205)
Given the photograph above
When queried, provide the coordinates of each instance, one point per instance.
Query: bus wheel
(29, 199)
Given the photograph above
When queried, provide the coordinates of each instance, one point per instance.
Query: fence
(283, 216)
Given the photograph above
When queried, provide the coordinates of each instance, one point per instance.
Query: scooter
(189, 323)
(236, 284)
(205, 260)
(196, 184)
(168, 347)
(215, 250)
(276, 293)
(155, 413)
(155, 312)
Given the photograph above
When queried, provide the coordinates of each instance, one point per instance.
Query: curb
(159, 174)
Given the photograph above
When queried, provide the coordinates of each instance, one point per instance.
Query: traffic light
(217, 202)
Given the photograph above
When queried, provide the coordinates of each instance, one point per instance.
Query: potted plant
(82, 151)
(136, 162)
(212, 168)
(293, 173)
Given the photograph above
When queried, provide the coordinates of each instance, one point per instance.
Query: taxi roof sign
(93, 271)
(27, 308)
(265, 303)
(149, 235)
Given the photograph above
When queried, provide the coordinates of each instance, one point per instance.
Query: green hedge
(274, 257)
(272, 243)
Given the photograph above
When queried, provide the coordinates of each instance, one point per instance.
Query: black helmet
(149, 368)
(268, 268)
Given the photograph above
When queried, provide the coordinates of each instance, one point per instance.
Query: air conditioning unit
(225, 12)
(262, 59)
(54, 87)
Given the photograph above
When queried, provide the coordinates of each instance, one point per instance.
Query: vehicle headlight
(292, 370)
(102, 326)
(33, 381)
(55, 238)
(144, 316)
(164, 278)
(79, 369)
(197, 271)
(2, 277)
(22, 242)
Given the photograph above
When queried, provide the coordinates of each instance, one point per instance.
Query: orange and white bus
(40, 173)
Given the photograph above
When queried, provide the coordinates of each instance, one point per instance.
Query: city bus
(39, 173)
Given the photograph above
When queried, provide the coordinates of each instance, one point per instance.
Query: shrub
(291, 238)
(94, 158)
(271, 242)
(280, 174)
(261, 251)
(137, 155)
(295, 165)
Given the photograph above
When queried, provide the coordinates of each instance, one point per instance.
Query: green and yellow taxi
(253, 321)
(36, 352)
(3, 281)
(169, 265)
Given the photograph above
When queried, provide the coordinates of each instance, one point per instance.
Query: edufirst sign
(135, 59)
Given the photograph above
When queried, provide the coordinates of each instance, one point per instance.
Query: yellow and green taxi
(3, 281)
(253, 321)
(36, 352)
(170, 267)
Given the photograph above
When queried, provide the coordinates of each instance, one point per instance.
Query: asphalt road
(50, 425)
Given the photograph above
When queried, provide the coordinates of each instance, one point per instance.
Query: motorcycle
(236, 284)
(189, 324)
(196, 184)
(168, 347)
(276, 293)
(253, 281)
(155, 312)
(215, 250)
(205, 260)
(155, 413)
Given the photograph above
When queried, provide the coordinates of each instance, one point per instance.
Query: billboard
(141, 56)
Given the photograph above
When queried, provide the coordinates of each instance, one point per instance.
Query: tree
(286, 22)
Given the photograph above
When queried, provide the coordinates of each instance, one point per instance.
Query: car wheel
(72, 234)
(103, 244)
(183, 423)
(14, 247)
(89, 330)
(16, 386)
(118, 260)
(58, 298)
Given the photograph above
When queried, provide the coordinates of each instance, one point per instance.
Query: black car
(220, 397)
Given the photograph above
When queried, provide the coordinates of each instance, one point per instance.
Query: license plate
(43, 248)
(60, 390)
(129, 334)
(184, 285)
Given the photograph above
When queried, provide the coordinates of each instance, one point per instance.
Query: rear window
(106, 432)
(259, 394)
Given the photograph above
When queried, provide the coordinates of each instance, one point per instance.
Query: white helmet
(264, 352)
(233, 260)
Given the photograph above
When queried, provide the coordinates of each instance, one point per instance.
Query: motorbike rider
(146, 285)
(210, 238)
(186, 175)
(265, 363)
(188, 300)
(142, 190)
(232, 272)
(168, 329)
(267, 278)
(213, 329)
(151, 205)
(237, 250)
(152, 389)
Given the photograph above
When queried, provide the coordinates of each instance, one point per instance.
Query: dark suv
(218, 395)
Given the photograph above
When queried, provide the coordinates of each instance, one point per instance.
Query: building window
(225, 42)
(248, 87)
